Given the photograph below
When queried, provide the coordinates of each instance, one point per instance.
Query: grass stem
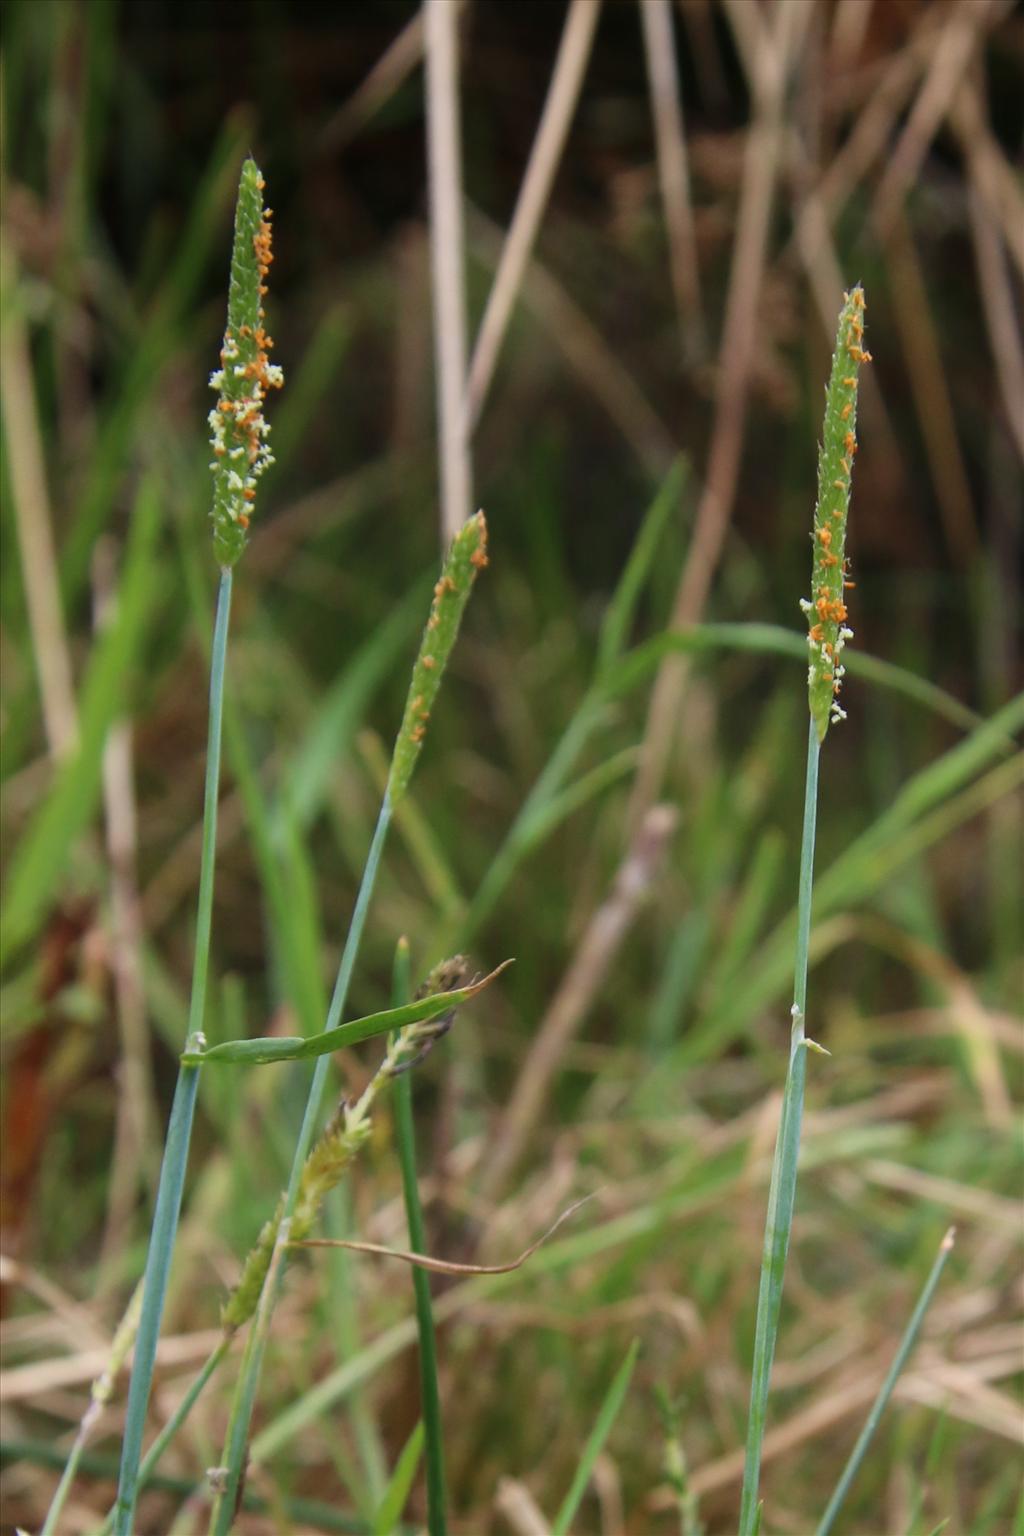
(885, 1391)
(179, 1130)
(236, 1444)
(430, 1396)
(782, 1190)
(174, 1423)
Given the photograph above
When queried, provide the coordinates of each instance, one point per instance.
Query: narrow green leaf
(614, 1399)
(397, 1492)
(269, 1048)
(773, 640)
(885, 1391)
(343, 709)
(782, 1187)
(179, 1131)
(41, 857)
(430, 1391)
(622, 607)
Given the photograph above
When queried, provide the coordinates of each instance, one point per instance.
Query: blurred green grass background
(123, 128)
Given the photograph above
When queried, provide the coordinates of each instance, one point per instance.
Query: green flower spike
(826, 610)
(238, 431)
(466, 556)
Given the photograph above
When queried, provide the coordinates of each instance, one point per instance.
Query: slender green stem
(305, 1514)
(179, 1130)
(174, 1423)
(70, 1471)
(100, 1395)
(430, 1396)
(608, 1413)
(782, 1190)
(236, 1444)
(885, 1391)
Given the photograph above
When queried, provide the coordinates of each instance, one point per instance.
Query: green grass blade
(179, 1131)
(307, 1514)
(465, 559)
(753, 901)
(296, 1047)
(245, 1392)
(343, 709)
(147, 1467)
(885, 1391)
(307, 385)
(533, 826)
(773, 640)
(622, 607)
(365, 1472)
(929, 806)
(99, 1397)
(397, 1492)
(782, 1189)
(614, 1398)
(42, 854)
(430, 1394)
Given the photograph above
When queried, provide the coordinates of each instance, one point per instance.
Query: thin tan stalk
(521, 1512)
(132, 1163)
(850, 24)
(997, 299)
(769, 57)
(588, 354)
(673, 169)
(870, 135)
(992, 177)
(950, 61)
(444, 166)
(698, 19)
(820, 260)
(34, 523)
(936, 420)
(391, 70)
(563, 94)
(595, 955)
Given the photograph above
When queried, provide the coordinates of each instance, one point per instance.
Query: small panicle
(826, 609)
(239, 433)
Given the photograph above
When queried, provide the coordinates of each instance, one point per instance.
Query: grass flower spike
(466, 557)
(239, 432)
(826, 609)
(240, 455)
(828, 634)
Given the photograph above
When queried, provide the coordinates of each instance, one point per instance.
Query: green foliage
(285, 1048)
(607, 1414)
(121, 166)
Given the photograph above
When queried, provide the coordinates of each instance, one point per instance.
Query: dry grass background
(634, 224)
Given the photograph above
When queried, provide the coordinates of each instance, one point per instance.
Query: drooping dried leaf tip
(826, 609)
(466, 557)
(239, 432)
